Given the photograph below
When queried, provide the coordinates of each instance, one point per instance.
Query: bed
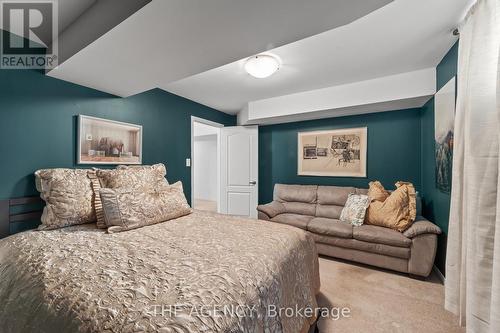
(203, 272)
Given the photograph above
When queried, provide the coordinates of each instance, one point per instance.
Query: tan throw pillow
(396, 210)
(68, 195)
(126, 209)
(138, 178)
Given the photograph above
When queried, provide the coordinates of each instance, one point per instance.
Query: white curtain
(473, 255)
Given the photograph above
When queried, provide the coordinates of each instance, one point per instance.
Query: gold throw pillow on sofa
(396, 210)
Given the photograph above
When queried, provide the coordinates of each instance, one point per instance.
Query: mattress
(203, 272)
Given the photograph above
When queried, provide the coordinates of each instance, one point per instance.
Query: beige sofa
(317, 209)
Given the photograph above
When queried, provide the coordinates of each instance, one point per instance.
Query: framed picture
(444, 118)
(102, 141)
(334, 153)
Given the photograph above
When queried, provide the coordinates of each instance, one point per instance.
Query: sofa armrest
(421, 226)
(422, 254)
(271, 209)
(263, 216)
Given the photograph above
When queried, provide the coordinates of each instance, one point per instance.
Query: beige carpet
(382, 301)
(208, 205)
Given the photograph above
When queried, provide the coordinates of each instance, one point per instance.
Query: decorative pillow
(355, 209)
(139, 178)
(396, 210)
(96, 198)
(68, 195)
(126, 208)
(136, 177)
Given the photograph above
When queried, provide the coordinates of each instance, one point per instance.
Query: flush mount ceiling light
(262, 65)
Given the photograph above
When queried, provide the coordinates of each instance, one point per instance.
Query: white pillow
(355, 209)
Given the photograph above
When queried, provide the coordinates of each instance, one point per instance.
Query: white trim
(439, 274)
(209, 123)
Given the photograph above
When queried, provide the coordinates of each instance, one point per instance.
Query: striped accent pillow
(96, 198)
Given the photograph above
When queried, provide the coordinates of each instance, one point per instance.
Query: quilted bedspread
(203, 272)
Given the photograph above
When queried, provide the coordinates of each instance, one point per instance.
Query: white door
(239, 170)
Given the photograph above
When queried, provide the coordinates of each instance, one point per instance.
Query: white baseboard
(439, 274)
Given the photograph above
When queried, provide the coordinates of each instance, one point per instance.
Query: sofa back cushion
(297, 199)
(295, 193)
(331, 200)
(334, 195)
(300, 208)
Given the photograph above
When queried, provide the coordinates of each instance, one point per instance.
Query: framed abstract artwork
(334, 153)
(102, 141)
(444, 118)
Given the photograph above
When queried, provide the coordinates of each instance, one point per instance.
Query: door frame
(214, 124)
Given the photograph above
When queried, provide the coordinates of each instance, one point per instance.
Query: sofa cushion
(330, 227)
(362, 191)
(295, 193)
(329, 211)
(387, 250)
(299, 208)
(295, 220)
(334, 195)
(380, 235)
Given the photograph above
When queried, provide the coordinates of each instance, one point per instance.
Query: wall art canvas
(444, 118)
(335, 153)
(102, 141)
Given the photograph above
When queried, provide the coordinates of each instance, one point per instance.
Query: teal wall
(436, 204)
(38, 126)
(394, 146)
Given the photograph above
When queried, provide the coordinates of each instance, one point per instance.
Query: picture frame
(104, 141)
(444, 118)
(332, 153)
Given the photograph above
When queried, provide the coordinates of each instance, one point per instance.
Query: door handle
(253, 182)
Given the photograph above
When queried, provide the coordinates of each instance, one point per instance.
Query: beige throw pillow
(396, 210)
(126, 209)
(354, 210)
(68, 195)
(137, 178)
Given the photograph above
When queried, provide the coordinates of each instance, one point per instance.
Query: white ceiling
(403, 36)
(81, 22)
(168, 40)
(68, 12)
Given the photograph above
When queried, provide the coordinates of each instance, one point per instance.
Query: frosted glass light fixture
(262, 65)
